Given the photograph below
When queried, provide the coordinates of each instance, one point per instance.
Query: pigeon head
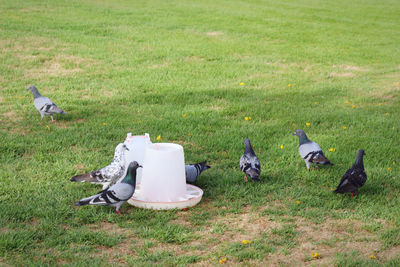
(299, 133)
(134, 165)
(254, 175)
(360, 153)
(302, 136)
(34, 91)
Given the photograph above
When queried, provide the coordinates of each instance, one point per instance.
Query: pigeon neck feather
(359, 161)
(130, 177)
(303, 139)
(36, 93)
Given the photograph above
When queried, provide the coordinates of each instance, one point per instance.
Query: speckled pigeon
(108, 175)
(44, 105)
(354, 178)
(117, 194)
(310, 151)
(193, 171)
(249, 162)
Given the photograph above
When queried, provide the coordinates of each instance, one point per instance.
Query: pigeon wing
(41, 101)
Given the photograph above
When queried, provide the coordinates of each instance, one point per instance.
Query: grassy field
(191, 71)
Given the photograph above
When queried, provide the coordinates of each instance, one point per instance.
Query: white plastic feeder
(137, 147)
(163, 184)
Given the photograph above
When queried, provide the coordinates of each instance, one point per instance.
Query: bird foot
(117, 211)
(245, 178)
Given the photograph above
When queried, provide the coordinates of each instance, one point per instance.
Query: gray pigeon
(194, 170)
(249, 162)
(354, 178)
(108, 175)
(310, 151)
(44, 105)
(116, 195)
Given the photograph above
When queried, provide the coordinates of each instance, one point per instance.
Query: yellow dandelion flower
(315, 103)
(308, 124)
(282, 146)
(104, 123)
(47, 128)
(298, 202)
(185, 115)
(372, 257)
(189, 134)
(389, 169)
(387, 114)
(344, 127)
(242, 83)
(316, 255)
(245, 242)
(247, 118)
(289, 85)
(222, 260)
(347, 102)
(332, 149)
(353, 106)
(380, 104)
(158, 138)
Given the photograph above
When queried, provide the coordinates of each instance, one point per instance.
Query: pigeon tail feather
(84, 178)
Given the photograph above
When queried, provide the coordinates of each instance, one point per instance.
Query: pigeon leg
(117, 211)
(52, 119)
(245, 178)
(352, 194)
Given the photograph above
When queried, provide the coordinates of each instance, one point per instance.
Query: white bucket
(163, 173)
(137, 145)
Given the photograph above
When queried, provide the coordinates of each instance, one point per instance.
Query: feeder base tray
(193, 196)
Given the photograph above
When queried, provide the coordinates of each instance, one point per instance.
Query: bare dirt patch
(157, 66)
(10, 115)
(327, 238)
(351, 68)
(194, 58)
(216, 33)
(344, 74)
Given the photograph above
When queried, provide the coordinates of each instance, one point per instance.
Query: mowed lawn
(191, 71)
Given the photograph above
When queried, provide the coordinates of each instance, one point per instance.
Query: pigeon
(310, 151)
(108, 175)
(194, 170)
(249, 162)
(116, 195)
(354, 178)
(44, 105)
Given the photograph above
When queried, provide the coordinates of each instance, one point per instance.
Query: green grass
(139, 66)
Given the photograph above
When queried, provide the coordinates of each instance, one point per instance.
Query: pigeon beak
(140, 166)
(127, 148)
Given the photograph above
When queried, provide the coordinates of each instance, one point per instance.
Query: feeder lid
(192, 197)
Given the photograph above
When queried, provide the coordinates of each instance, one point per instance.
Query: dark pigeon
(354, 178)
(249, 163)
